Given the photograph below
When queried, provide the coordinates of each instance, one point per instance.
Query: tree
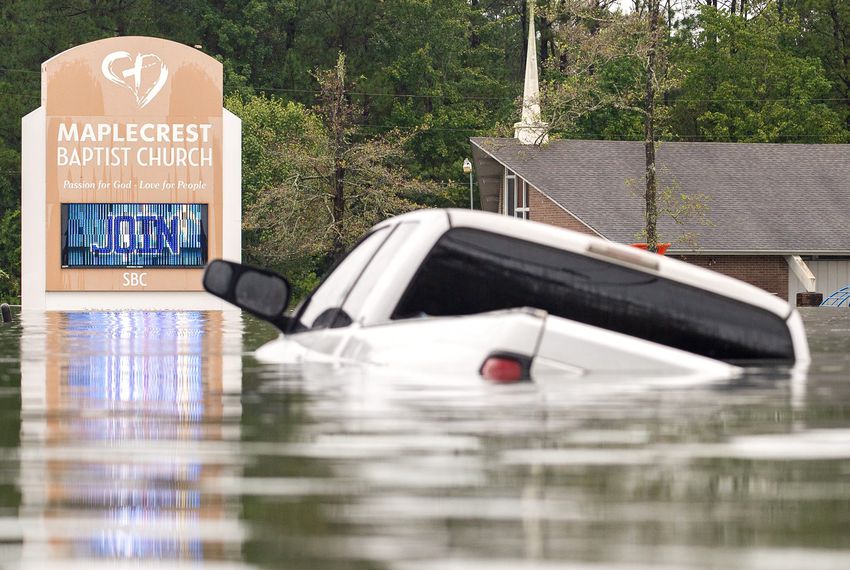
(744, 83)
(313, 183)
(823, 33)
(10, 256)
(594, 76)
(743, 8)
(279, 226)
(614, 65)
(451, 70)
(649, 141)
(367, 178)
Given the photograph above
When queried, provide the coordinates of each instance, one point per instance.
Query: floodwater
(157, 438)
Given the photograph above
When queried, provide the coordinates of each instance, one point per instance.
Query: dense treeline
(419, 77)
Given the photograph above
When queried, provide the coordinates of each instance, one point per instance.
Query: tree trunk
(474, 38)
(651, 206)
(289, 30)
(338, 208)
(336, 112)
(523, 23)
(545, 28)
(841, 54)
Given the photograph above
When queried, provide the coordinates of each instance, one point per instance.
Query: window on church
(515, 196)
(522, 200)
(510, 193)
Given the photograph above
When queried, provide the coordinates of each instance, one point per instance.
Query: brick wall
(542, 209)
(770, 272)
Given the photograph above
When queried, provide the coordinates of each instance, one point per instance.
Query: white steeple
(530, 129)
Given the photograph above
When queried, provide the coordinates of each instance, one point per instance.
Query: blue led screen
(134, 235)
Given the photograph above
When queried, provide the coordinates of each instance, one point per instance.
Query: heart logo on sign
(143, 75)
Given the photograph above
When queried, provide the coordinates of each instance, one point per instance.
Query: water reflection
(123, 422)
(150, 437)
(420, 472)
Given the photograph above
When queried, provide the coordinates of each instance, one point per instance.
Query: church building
(776, 213)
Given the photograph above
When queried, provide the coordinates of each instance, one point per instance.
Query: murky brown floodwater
(156, 437)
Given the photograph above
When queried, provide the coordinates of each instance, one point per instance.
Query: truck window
(384, 257)
(323, 308)
(471, 271)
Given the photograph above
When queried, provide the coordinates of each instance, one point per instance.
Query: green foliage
(276, 134)
(822, 33)
(310, 187)
(10, 257)
(425, 76)
(455, 87)
(10, 226)
(745, 83)
(267, 123)
(595, 78)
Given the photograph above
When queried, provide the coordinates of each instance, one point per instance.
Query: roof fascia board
(536, 187)
(843, 252)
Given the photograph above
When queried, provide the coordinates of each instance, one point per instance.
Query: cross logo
(144, 75)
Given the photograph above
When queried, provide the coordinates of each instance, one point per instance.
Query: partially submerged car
(471, 292)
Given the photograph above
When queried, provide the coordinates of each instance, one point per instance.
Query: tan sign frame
(118, 86)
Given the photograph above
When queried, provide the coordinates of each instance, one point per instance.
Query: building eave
(702, 252)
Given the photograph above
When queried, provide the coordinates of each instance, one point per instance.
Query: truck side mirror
(260, 292)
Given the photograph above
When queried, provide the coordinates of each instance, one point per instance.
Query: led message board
(134, 235)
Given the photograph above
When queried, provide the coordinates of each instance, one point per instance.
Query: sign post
(131, 178)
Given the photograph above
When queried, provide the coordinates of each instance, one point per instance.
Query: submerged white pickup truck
(476, 293)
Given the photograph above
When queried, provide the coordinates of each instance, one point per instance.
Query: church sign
(138, 186)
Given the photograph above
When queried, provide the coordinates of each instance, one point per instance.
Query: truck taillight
(506, 368)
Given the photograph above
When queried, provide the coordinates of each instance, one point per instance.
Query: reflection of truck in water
(471, 292)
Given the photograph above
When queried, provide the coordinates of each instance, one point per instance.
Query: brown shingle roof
(763, 197)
